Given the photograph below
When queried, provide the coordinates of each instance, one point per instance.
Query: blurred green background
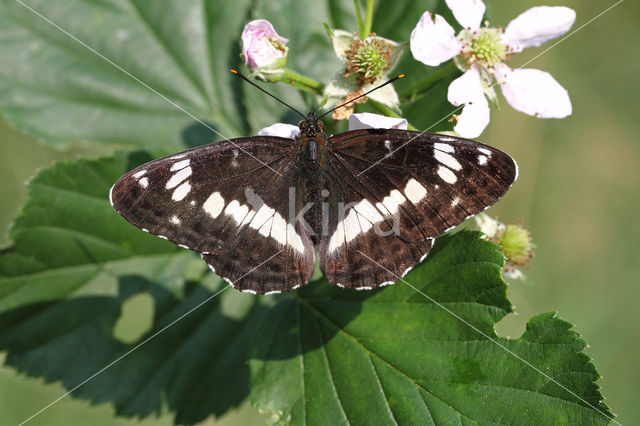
(578, 192)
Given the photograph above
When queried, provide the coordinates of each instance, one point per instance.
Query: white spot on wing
(236, 211)
(111, 196)
(337, 239)
(181, 191)
(455, 202)
(248, 218)
(279, 229)
(144, 182)
(397, 196)
(293, 239)
(262, 215)
(178, 177)
(447, 160)
(447, 175)
(485, 151)
(415, 191)
(246, 290)
(214, 205)
(445, 147)
(368, 211)
(139, 174)
(364, 288)
(174, 219)
(351, 226)
(180, 165)
(482, 159)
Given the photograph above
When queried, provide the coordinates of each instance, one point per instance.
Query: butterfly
(367, 203)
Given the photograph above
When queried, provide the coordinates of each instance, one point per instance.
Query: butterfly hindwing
(228, 201)
(413, 187)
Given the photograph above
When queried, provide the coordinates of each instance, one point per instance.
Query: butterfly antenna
(239, 74)
(399, 76)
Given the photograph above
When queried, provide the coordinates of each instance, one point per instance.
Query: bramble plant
(151, 79)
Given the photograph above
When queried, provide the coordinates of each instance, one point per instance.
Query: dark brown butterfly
(369, 202)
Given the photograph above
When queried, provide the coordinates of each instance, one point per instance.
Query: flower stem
(429, 82)
(356, 3)
(302, 82)
(388, 112)
(368, 20)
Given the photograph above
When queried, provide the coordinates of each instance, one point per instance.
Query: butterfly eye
(303, 125)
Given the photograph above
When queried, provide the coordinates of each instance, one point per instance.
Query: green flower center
(483, 47)
(368, 60)
(516, 244)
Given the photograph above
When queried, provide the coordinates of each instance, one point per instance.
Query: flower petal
(534, 92)
(474, 118)
(257, 47)
(433, 41)
(468, 13)
(367, 120)
(341, 41)
(282, 130)
(488, 225)
(466, 88)
(513, 274)
(386, 95)
(537, 26)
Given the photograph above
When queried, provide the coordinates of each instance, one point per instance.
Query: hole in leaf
(511, 326)
(136, 318)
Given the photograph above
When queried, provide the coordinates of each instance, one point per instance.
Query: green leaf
(60, 91)
(329, 356)
(63, 283)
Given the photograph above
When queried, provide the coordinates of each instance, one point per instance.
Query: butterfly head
(311, 126)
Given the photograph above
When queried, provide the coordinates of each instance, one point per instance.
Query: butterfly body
(367, 202)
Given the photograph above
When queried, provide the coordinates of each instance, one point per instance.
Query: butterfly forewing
(228, 201)
(402, 190)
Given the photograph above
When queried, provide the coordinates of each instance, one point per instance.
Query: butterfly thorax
(313, 142)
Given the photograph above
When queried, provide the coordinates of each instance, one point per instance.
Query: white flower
(365, 120)
(366, 64)
(481, 52)
(489, 226)
(263, 50)
(282, 130)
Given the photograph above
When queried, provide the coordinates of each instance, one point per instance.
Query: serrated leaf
(62, 92)
(394, 355)
(74, 263)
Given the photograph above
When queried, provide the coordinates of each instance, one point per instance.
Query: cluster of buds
(514, 241)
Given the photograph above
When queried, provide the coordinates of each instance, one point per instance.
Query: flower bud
(514, 240)
(264, 51)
